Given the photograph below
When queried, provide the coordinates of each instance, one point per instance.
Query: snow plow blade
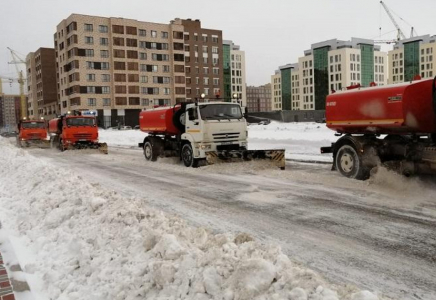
(277, 157)
(101, 147)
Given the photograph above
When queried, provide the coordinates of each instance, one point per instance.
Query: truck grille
(82, 136)
(34, 136)
(225, 136)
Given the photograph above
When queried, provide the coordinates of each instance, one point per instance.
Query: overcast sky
(271, 32)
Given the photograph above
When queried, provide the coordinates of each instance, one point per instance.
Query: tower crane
(400, 34)
(15, 61)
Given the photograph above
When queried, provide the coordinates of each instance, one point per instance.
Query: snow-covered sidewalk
(75, 240)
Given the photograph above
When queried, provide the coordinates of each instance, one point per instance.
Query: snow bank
(89, 243)
(302, 141)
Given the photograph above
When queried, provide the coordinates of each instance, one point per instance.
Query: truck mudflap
(276, 157)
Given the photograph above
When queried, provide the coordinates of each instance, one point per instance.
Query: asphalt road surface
(378, 234)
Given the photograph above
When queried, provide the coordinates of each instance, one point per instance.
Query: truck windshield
(80, 121)
(33, 125)
(220, 111)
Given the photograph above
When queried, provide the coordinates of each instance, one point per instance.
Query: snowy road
(377, 234)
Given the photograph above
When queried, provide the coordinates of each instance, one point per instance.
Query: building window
(89, 52)
(105, 90)
(90, 77)
(166, 91)
(105, 66)
(105, 77)
(92, 102)
(144, 79)
(90, 89)
(164, 34)
(142, 55)
(154, 33)
(145, 102)
(106, 101)
(89, 27)
(104, 53)
(103, 28)
(165, 68)
(104, 41)
(89, 40)
(142, 32)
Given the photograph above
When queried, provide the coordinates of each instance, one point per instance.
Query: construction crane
(16, 60)
(4, 79)
(400, 34)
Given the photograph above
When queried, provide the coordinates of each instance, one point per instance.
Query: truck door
(193, 124)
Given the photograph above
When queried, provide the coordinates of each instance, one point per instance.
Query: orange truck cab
(74, 132)
(32, 132)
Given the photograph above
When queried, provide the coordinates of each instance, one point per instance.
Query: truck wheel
(149, 154)
(188, 156)
(349, 163)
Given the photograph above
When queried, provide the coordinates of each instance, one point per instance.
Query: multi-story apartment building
(116, 67)
(412, 57)
(41, 84)
(203, 60)
(330, 66)
(276, 91)
(10, 111)
(235, 80)
(259, 98)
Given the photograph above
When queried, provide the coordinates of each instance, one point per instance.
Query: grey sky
(271, 33)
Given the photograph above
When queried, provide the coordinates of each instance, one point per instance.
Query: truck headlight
(205, 147)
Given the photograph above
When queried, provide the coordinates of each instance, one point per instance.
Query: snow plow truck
(75, 132)
(32, 133)
(200, 134)
(392, 125)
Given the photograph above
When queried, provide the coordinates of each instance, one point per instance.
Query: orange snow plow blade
(276, 157)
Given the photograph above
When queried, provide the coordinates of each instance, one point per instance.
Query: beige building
(237, 72)
(115, 67)
(41, 84)
(276, 91)
(412, 57)
(327, 67)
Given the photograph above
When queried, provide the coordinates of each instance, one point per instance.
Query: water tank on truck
(392, 125)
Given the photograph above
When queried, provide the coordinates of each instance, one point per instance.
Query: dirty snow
(84, 242)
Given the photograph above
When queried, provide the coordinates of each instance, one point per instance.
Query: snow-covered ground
(302, 141)
(77, 240)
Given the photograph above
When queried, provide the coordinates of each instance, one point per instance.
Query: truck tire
(149, 153)
(349, 163)
(188, 156)
(179, 121)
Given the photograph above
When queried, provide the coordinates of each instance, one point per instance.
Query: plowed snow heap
(200, 133)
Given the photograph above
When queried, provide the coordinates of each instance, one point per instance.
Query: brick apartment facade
(203, 60)
(41, 84)
(259, 98)
(116, 66)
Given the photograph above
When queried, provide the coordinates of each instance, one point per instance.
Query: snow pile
(302, 141)
(121, 138)
(89, 243)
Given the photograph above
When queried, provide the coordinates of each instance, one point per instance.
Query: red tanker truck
(75, 132)
(32, 133)
(200, 133)
(392, 125)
